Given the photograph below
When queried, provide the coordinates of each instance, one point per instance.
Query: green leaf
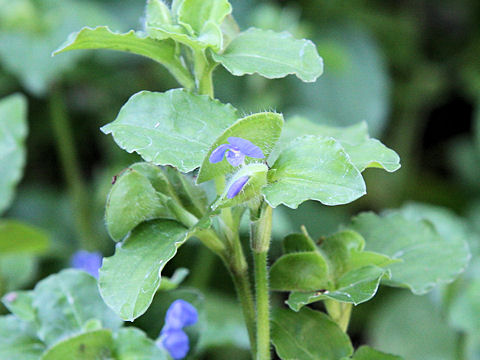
(298, 243)
(306, 271)
(65, 302)
(91, 345)
(17, 270)
(197, 13)
(20, 303)
(17, 237)
(356, 287)
(427, 258)
(132, 344)
(13, 131)
(18, 340)
(315, 168)
(129, 279)
(364, 152)
(367, 353)
(257, 174)
(131, 201)
(464, 310)
(308, 335)
(413, 327)
(172, 128)
(272, 55)
(101, 37)
(262, 129)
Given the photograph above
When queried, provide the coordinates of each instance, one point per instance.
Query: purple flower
(237, 186)
(236, 151)
(176, 342)
(87, 261)
(180, 314)
(172, 338)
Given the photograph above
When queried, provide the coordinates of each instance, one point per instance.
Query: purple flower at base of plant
(237, 186)
(180, 314)
(236, 151)
(176, 342)
(87, 261)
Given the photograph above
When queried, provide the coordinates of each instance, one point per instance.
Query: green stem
(263, 305)
(261, 232)
(339, 312)
(71, 171)
(203, 73)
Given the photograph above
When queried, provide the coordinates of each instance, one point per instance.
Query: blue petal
(180, 313)
(176, 343)
(87, 261)
(246, 147)
(235, 158)
(218, 154)
(237, 186)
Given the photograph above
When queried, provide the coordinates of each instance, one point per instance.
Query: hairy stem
(261, 231)
(339, 312)
(71, 171)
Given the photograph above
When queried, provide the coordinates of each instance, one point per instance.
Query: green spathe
(172, 128)
(262, 130)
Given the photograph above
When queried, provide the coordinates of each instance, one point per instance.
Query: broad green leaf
(132, 344)
(272, 55)
(131, 201)
(156, 176)
(18, 340)
(298, 243)
(13, 130)
(413, 327)
(173, 282)
(305, 271)
(197, 13)
(364, 152)
(367, 353)
(313, 168)
(18, 237)
(91, 345)
(427, 258)
(173, 128)
(257, 178)
(129, 279)
(464, 310)
(20, 303)
(65, 302)
(356, 287)
(308, 335)
(17, 270)
(262, 130)
(101, 37)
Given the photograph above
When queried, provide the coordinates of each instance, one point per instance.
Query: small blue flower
(172, 337)
(180, 314)
(237, 186)
(176, 342)
(236, 151)
(87, 261)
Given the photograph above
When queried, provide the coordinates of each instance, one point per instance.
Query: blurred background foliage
(408, 68)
